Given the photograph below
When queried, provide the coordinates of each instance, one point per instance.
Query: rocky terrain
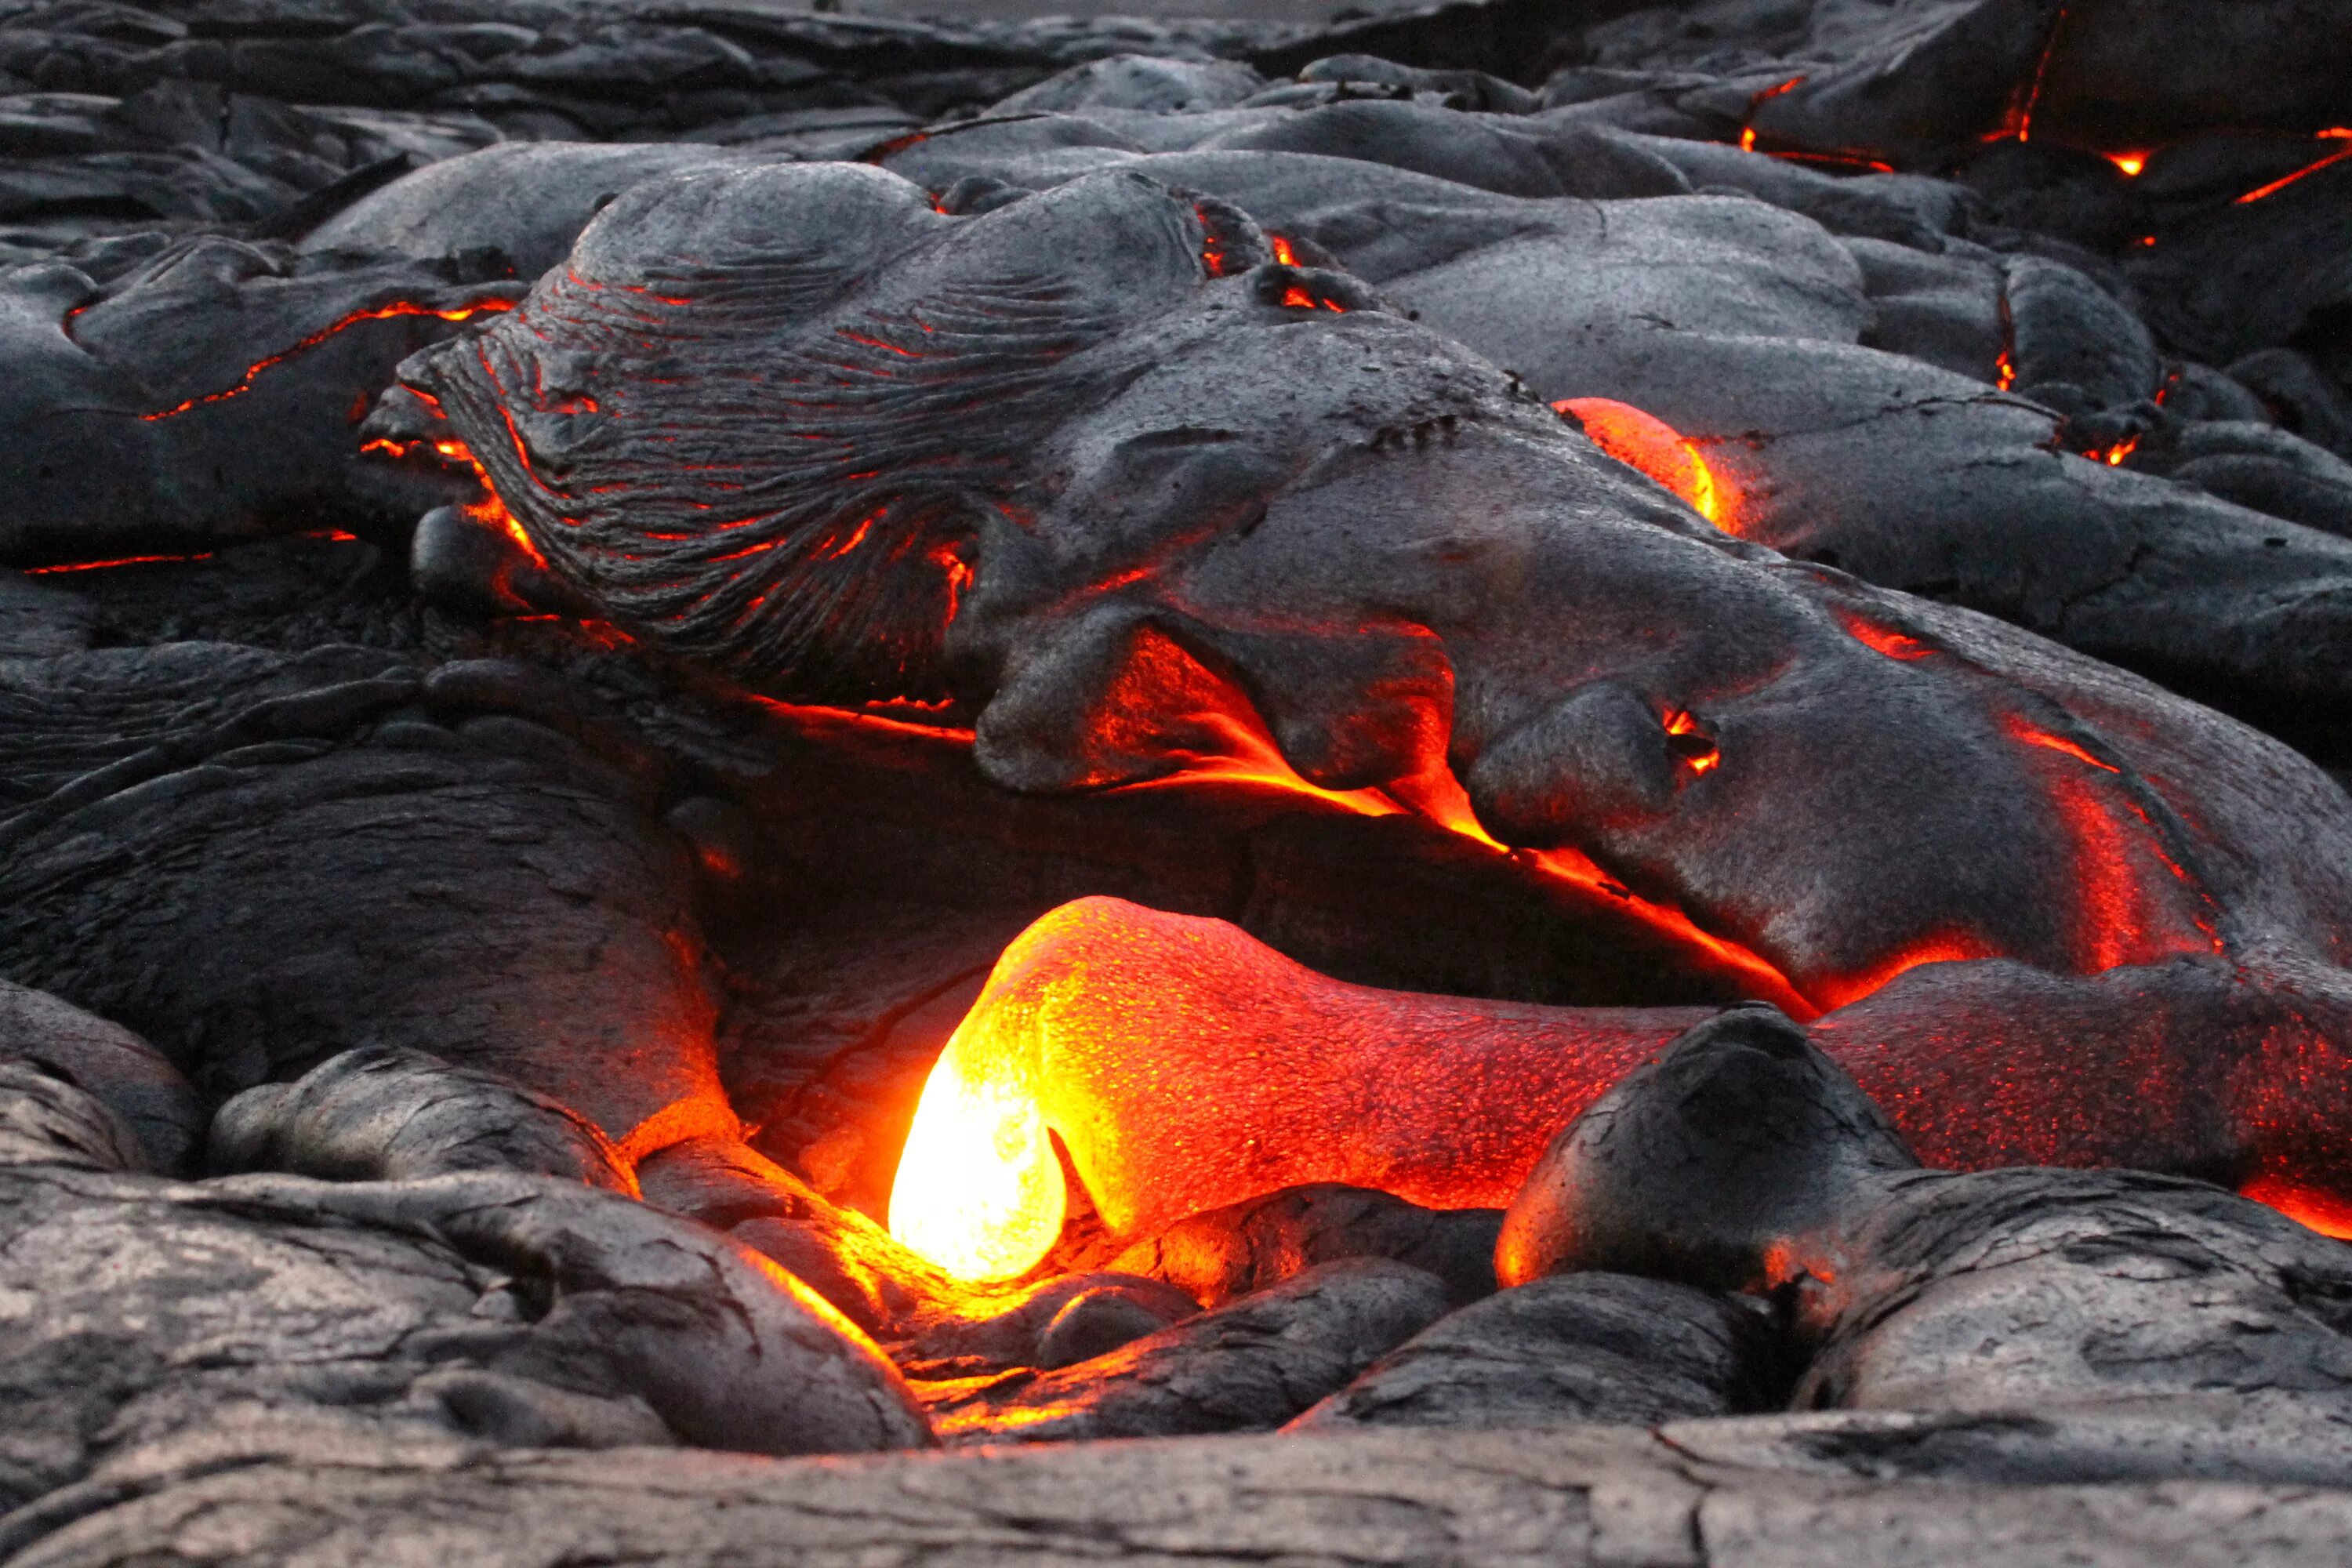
(1512, 781)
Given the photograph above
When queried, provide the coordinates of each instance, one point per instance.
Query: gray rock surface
(1573, 1348)
(1246, 1367)
(1594, 1496)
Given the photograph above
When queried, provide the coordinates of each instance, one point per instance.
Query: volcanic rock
(511, 1309)
(185, 772)
(1739, 1136)
(110, 1065)
(206, 395)
(381, 1113)
(842, 488)
(2011, 1290)
(1245, 1367)
(1594, 1496)
(1574, 1347)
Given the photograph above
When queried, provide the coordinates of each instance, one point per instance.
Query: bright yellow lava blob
(979, 1191)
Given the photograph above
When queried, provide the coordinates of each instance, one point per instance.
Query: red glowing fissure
(2336, 132)
(1748, 131)
(117, 560)
(2017, 122)
(379, 313)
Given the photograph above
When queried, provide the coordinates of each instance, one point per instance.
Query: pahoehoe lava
(1589, 759)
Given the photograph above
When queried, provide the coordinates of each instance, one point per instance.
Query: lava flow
(1643, 441)
(1285, 1076)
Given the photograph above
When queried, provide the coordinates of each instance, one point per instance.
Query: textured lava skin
(1098, 467)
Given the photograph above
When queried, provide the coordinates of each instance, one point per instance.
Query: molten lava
(1643, 441)
(979, 1191)
(1184, 1065)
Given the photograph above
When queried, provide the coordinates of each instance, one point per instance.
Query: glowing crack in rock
(1641, 440)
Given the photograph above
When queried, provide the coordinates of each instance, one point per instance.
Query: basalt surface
(1560, 782)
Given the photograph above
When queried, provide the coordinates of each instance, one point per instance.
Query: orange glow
(2114, 456)
(1747, 132)
(1883, 639)
(1185, 1064)
(1949, 947)
(1282, 251)
(979, 1191)
(1643, 441)
(490, 512)
(380, 313)
(1697, 749)
(1299, 298)
(118, 561)
(2128, 891)
(2336, 133)
(2308, 1207)
(1222, 741)
(2032, 736)
(1214, 259)
(2131, 163)
(1182, 1065)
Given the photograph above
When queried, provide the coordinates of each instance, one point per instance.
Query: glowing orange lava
(1694, 746)
(1643, 441)
(1883, 639)
(1222, 741)
(1184, 1065)
(2018, 121)
(1748, 131)
(2131, 163)
(979, 1191)
(490, 512)
(379, 313)
(2308, 1206)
